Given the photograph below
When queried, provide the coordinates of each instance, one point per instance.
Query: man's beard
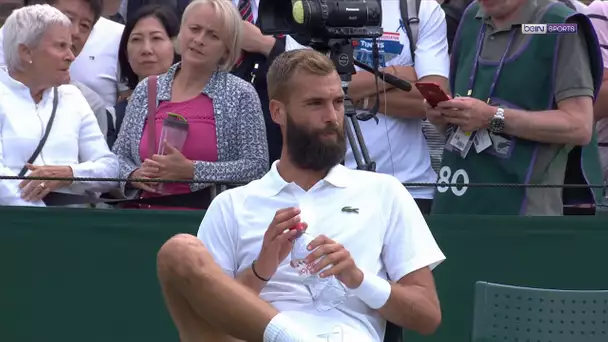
(308, 150)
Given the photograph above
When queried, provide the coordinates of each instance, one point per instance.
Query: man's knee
(181, 256)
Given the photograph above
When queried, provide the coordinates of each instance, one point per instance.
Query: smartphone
(432, 93)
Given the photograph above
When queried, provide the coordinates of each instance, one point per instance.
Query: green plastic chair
(522, 314)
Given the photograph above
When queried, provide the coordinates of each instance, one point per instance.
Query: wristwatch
(497, 123)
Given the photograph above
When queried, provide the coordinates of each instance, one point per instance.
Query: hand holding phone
(432, 93)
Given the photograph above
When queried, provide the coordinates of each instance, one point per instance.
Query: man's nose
(75, 30)
(331, 113)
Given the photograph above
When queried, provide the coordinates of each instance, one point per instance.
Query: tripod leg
(353, 146)
(357, 143)
(369, 164)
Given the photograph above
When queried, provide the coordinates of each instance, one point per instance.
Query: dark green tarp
(77, 275)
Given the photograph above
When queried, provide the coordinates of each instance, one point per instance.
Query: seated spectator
(83, 15)
(226, 140)
(146, 48)
(96, 65)
(36, 97)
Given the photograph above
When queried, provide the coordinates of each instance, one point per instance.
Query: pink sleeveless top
(201, 142)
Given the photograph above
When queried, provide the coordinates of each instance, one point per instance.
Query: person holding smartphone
(396, 143)
(521, 117)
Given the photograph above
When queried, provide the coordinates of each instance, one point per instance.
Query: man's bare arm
(407, 105)
(600, 109)
(363, 84)
(413, 303)
(571, 123)
(250, 281)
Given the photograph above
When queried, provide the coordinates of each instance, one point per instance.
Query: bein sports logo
(548, 28)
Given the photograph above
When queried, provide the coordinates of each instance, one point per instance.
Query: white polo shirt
(398, 145)
(387, 237)
(97, 65)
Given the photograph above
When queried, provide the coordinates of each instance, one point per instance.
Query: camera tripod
(340, 51)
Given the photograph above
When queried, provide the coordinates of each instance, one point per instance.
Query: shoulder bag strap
(409, 16)
(152, 90)
(46, 133)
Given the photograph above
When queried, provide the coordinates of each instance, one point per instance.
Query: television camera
(329, 26)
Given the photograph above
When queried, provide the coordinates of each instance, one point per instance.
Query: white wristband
(373, 291)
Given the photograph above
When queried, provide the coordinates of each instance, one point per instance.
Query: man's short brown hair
(290, 63)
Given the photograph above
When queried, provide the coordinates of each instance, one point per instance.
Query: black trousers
(424, 205)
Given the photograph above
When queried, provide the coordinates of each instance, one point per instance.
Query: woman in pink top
(226, 139)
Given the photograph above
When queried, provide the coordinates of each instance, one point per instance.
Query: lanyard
(480, 40)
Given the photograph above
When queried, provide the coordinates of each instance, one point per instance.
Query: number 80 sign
(460, 177)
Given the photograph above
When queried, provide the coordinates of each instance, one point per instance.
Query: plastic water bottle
(327, 293)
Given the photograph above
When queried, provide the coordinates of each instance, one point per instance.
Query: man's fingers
(456, 121)
(283, 218)
(284, 210)
(337, 269)
(285, 214)
(322, 251)
(451, 112)
(286, 236)
(318, 241)
(290, 223)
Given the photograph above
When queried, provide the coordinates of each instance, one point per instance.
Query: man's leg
(208, 305)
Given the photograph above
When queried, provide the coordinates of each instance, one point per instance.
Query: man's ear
(277, 112)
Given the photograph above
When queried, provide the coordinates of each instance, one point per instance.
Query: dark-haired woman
(146, 48)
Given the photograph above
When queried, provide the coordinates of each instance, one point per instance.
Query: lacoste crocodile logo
(349, 209)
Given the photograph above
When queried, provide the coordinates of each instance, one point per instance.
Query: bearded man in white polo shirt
(382, 252)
